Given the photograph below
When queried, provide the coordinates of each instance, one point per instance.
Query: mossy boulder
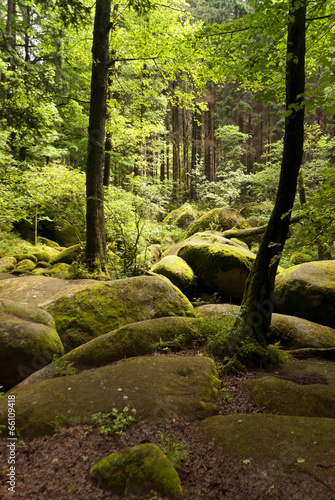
(60, 270)
(93, 310)
(49, 243)
(154, 387)
(47, 254)
(136, 339)
(28, 341)
(182, 216)
(22, 256)
(300, 258)
(207, 237)
(177, 271)
(138, 470)
(7, 264)
(24, 266)
(68, 255)
(304, 388)
(37, 290)
(298, 333)
(219, 219)
(222, 268)
(308, 291)
(277, 442)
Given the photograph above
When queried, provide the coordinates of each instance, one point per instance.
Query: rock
(177, 271)
(181, 217)
(49, 243)
(298, 333)
(157, 387)
(68, 255)
(28, 341)
(6, 276)
(23, 256)
(209, 237)
(278, 442)
(304, 388)
(222, 268)
(138, 470)
(308, 291)
(47, 254)
(290, 331)
(60, 270)
(300, 258)
(37, 290)
(24, 266)
(219, 219)
(7, 264)
(93, 310)
(136, 339)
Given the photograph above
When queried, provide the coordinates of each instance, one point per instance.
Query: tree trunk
(257, 303)
(96, 253)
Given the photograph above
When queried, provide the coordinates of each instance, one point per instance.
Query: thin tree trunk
(96, 253)
(257, 303)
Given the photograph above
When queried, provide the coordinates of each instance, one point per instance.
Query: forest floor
(56, 467)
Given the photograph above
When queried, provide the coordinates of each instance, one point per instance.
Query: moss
(177, 271)
(222, 268)
(23, 256)
(150, 385)
(181, 217)
(289, 398)
(308, 291)
(7, 264)
(219, 219)
(138, 470)
(274, 440)
(68, 255)
(95, 309)
(300, 258)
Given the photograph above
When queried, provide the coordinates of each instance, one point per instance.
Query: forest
(167, 223)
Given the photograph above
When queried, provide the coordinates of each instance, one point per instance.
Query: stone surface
(136, 339)
(138, 470)
(308, 291)
(85, 309)
(300, 387)
(157, 387)
(219, 219)
(177, 271)
(222, 268)
(278, 442)
(7, 264)
(28, 341)
(182, 216)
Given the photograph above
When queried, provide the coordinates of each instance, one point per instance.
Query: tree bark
(257, 304)
(96, 253)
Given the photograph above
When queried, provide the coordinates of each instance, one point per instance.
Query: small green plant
(56, 424)
(173, 449)
(228, 398)
(63, 367)
(113, 422)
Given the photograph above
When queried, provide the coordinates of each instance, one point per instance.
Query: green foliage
(173, 449)
(220, 338)
(56, 424)
(63, 367)
(113, 422)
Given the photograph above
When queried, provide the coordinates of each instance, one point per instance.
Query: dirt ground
(56, 467)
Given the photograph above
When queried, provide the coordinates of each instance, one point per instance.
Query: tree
(257, 303)
(96, 253)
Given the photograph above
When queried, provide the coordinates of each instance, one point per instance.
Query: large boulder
(28, 341)
(138, 470)
(308, 291)
(154, 388)
(300, 387)
(220, 267)
(86, 309)
(7, 264)
(177, 271)
(181, 217)
(129, 341)
(219, 219)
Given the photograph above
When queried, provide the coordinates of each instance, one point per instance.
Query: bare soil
(57, 467)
